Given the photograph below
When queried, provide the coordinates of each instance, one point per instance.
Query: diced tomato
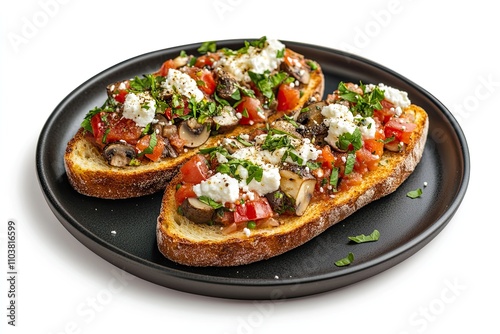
(98, 126)
(109, 127)
(195, 170)
(144, 143)
(120, 97)
(385, 114)
(251, 111)
(253, 210)
(375, 145)
(365, 161)
(185, 191)
(288, 97)
(168, 64)
(399, 128)
(326, 158)
(204, 79)
(125, 129)
(206, 60)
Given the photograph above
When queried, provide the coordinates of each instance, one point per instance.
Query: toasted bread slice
(90, 175)
(192, 244)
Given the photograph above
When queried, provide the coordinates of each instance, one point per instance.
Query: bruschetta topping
(190, 97)
(279, 169)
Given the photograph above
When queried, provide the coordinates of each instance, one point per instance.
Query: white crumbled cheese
(246, 230)
(307, 151)
(140, 108)
(177, 81)
(220, 158)
(397, 97)
(303, 149)
(250, 154)
(339, 120)
(255, 60)
(270, 180)
(366, 125)
(220, 187)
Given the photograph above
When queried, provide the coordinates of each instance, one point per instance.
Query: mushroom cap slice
(299, 188)
(226, 121)
(197, 211)
(193, 133)
(119, 154)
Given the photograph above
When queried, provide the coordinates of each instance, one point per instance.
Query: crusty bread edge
(240, 250)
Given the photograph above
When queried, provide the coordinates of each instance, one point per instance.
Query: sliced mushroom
(300, 188)
(193, 133)
(119, 154)
(168, 150)
(296, 67)
(226, 121)
(226, 85)
(197, 211)
(312, 120)
(159, 122)
(287, 127)
(280, 202)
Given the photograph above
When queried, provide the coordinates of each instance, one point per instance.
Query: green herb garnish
(206, 47)
(363, 104)
(210, 202)
(374, 236)
(415, 193)
(345, 261)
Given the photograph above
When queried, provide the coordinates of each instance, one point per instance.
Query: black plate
(405, 225)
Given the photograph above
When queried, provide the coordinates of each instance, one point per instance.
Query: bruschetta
(149, 126)
(260, 193)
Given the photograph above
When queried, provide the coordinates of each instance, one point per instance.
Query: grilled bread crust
(187, 243)
(89, 174)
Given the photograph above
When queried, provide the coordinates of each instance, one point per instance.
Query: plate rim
(180, 277)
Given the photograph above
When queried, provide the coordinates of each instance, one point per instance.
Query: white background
(49, 47)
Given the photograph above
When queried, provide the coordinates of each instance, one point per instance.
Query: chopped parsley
(374, 236)
(206, 47)
(415, 193)
(362, 104)
(345, 261)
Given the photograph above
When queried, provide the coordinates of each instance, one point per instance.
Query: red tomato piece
(375, 145)
(185, 191)
(253, 210)
(385, 114)
(120, 97)
(206, 60)
(288, 97)
(399, 128)
(326, 157)
(195, 170)
(168, 64)
(250, 110)
(144, 143)
(110, 127)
